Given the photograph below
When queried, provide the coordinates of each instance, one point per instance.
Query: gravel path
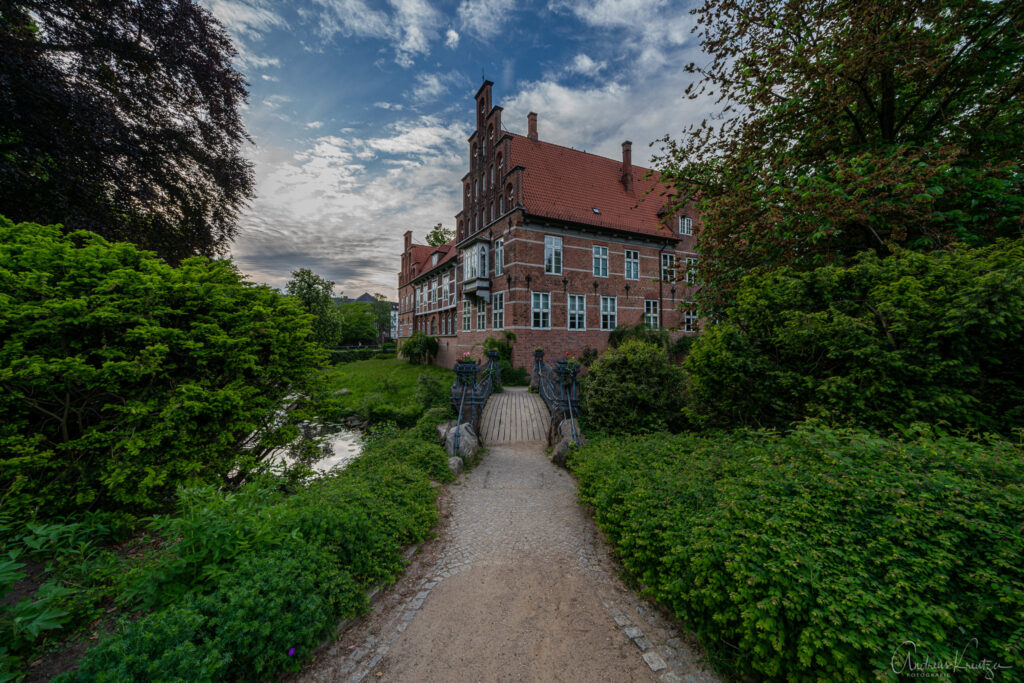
(518, 586)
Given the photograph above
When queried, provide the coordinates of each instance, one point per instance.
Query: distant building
(558, 245)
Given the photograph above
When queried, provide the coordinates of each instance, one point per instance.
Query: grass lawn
(388, 389)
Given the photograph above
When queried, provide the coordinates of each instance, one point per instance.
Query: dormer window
(685, 225)
(433, 260)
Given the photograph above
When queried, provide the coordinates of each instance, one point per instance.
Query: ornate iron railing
(558, 384)
(469, 394)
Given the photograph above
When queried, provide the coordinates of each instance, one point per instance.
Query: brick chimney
(627, 165)
(531, 120)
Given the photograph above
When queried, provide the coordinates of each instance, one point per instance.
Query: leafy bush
(384, 356)
(274, 572)
(419, 348)
(632, 387)
(513, 377)
(124, 378)
(432, 391)
(350, 355)
(813, 556)
(912, 337)
(641, 332)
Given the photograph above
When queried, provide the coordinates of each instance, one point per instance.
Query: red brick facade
(554, 244)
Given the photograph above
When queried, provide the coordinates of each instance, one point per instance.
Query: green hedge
(813, 556)
(886, 341)
(250, 576)
(349, 355)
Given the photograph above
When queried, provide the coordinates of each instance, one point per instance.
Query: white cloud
(599, 118)
(483, 18)
(275, 101)
(583, 64)
(389, 105)
(410, 27)
(325, 208)
(451, 38)
(432, 86)
(652, 30)
(245, 18)
(313, 125)
(269, 78)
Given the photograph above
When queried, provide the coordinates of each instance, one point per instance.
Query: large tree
(439, 235)
(316, 295)
(122, 117)
(848, 125)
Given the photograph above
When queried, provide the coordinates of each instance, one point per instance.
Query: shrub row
(813, 556)
(886, 341)
(256, 579)
(348, 355)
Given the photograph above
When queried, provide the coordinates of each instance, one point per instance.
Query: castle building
(555, 244)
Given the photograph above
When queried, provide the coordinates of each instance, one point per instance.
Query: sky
(359, 111)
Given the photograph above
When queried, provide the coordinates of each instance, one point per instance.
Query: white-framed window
(577, 312)
(433, 259)
(433, 292)
(552, 255)
(541, 318)
(481, 255)
(689, 319)
(467, 315)
(499, 256)
(668, 266)
(474, 262)
(691, 270)
(445, 288)
(498, 311)
(600, 261)
(632, 264)
(685, 225)
(609, 313)
(651, 313)
(481, 314)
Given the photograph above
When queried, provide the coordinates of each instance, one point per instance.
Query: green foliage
(632, 387)
(912, 337)
(315, 294)
(272, 572)
(124, 378)
(349, 355)
(511, 376)
(812, 556)
(358, 322)
(439, 235)
(639, 332)
(419, 348)
(847, 126)
(588, 356)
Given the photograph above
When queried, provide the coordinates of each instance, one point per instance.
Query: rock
(455, 465)
(566, 428)
(443, 429)
(344, 392)
(469, 445)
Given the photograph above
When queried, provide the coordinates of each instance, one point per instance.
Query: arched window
(501, 205)
(492, 176)
(501, 165)
(511, 197)
(492, 210)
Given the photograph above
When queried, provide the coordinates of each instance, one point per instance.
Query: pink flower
(291, 652)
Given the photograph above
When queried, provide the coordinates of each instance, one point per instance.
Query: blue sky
(359, 111)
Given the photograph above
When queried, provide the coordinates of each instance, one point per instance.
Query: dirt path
(518, 586)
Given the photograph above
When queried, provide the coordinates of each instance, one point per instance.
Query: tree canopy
(123, 117)
(439, 235)
(849, 125)
(315, 294)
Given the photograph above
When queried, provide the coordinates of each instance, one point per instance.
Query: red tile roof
(422, 257)
(568, 184)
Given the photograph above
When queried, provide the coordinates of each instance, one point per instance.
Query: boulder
(566, 428)
(443, 429)
(455, 465)
(469, 444)
(344, 392)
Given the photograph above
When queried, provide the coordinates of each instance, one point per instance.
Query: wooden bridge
(514, 415)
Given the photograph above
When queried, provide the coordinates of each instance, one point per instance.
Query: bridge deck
(515, 415)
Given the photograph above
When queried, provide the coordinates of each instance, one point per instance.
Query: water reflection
(323, 447)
